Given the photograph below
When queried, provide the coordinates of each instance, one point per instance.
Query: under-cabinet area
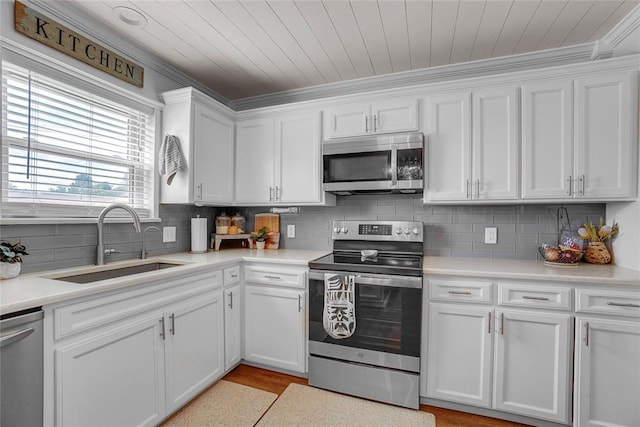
(556, 352)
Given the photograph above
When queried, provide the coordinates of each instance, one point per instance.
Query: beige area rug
(301, 405)
(224, 404)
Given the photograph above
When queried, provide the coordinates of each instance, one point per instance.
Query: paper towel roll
(199, 235)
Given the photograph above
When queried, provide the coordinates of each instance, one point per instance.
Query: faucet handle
(111, 251)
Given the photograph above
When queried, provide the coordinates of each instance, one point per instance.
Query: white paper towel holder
(205, 250)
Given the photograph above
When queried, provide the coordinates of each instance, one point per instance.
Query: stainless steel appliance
(381, 359)
(21, 369)
(382, 164)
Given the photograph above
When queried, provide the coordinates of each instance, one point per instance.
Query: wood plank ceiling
(244, 48)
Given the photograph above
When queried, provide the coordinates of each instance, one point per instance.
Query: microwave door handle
(394, 166)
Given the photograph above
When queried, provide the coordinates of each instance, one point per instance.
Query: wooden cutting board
(269, 220)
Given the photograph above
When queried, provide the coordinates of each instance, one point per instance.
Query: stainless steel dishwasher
(21, 368)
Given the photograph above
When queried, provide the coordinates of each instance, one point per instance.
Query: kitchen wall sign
(57, 36)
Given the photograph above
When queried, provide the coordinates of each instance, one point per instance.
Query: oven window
(368, 166)
(388, 318)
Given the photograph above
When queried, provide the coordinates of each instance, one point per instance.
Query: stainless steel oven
(380, 357)
(382, 164)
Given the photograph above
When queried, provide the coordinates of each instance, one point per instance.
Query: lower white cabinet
(232, 327)
(275, 327)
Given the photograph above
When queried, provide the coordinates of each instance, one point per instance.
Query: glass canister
(222, 223)
(237, 224)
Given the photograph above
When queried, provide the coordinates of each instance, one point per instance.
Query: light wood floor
(276, 382)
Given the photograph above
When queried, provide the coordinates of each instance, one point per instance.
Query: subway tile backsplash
(451, 231)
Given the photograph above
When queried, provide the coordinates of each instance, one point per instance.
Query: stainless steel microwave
(391, 163)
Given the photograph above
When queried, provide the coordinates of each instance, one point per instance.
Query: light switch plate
(168, 234)
(291, 231)
(491, 235)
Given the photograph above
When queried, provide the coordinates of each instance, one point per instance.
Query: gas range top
(399, 247)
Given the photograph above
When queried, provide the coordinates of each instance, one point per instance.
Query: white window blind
(68, 153)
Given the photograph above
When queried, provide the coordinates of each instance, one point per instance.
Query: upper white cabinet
(472, 146)
(378, 117)
(578, 138)
(278, 160)
(205, 130)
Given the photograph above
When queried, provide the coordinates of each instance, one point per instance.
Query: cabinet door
(532, 364)
(212, 156)
(232, 327)
(495, 164)
(194, 347)
(116, 379)
(275, 327)
(395, 116)
(547, 140)
(607, 373)
(605, 135)
(448, 148)
(255, 153)
(351, 120)
(298, 161)
(459, 354)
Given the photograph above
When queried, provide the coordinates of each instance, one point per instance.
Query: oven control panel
(407, 231)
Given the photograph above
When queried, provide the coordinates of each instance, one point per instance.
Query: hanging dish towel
(339, 314)
(171, 159)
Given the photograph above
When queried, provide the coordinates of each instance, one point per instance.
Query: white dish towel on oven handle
(339, 314)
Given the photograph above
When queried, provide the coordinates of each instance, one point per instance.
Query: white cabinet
(206, 134)
(578, 138)
(132, 357)
(379, 117)
(472, 148)
(607, 350)
(513, 360)
(279, 160)
(232, 327)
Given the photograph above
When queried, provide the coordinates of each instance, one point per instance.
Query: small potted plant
(11, 259)
(259, 237)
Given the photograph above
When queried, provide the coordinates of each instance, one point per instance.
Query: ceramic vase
(597, 253)
(10, 270)
(260, 244)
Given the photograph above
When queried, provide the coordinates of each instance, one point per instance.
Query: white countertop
(38, 289)
(531, 270)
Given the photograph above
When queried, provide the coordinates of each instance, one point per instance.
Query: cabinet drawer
(231, 275)
(605, 302)
(534, 296)
(459, 290)
(98, 311)
(275, 276)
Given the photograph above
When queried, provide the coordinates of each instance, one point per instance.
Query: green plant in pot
(11, 259)
(260, 237)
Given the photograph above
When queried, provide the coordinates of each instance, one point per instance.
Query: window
(68, 153)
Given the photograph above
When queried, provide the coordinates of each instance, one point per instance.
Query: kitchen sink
(96, 276)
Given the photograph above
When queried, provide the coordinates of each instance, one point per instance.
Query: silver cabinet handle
(468, 193)
(270, 194)
(586, 334)
(489, 327)
(277, 193)
(162, 334)
(199, 187)
(375, 123)
(233, 276)
(299, 303)
(582, 180)
(173, 324)
(268, 276)
(478, 189)
(623, 304)
(8, 339)
(230, 299)
(366, 124)
(501, 323)
(570, 181)
(459, 293)
(535, 298)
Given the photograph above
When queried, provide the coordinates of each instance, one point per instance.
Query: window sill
(26, 221)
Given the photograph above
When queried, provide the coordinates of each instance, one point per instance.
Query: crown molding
(102, 34)
(622, 30)
(504, 64)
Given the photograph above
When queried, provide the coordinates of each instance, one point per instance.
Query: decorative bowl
(560, 255)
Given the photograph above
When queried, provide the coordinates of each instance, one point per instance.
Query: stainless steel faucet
(143, 253)
(136, 226)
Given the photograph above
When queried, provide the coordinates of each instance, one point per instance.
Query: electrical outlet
(291, 231)
(491, 235)
(168, 234)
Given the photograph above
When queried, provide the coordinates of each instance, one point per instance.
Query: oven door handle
(381, 280)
